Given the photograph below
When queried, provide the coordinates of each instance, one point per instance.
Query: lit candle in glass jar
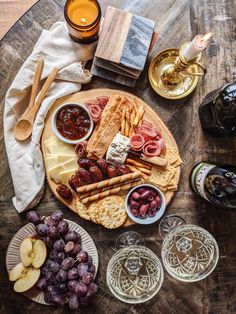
(83, 19)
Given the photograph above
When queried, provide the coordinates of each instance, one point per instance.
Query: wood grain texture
(217, 293)
(80, 97)
(11, 11)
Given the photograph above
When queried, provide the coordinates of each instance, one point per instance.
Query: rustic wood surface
(80, 97)
(11, 11)
(217, 293)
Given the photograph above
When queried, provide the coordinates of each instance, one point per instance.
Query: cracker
(81, 209)
(112, 213)
(172, 154)
(93, 211)
(162, 176)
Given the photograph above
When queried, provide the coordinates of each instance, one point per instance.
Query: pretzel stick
(84, 195)
(110, 192)
(143, 170)
(137, 163)
(108, 182)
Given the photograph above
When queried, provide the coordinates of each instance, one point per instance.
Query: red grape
(68, 263)
(82, 256)
(41, 284)
(59, 245)
(73, 273)
(61, 275)
(33, 217)
(63, 227)
(83, 269)
(81, 289)
(73, 302)
(87, 279)
(41, 229)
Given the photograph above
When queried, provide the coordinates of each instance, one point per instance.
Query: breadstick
(108, 182)
(110, 192)
(127, 125)
(123, 121)
(138, 163)
(84, 195)
(140, 119)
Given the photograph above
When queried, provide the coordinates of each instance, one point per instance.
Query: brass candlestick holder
(172, 76)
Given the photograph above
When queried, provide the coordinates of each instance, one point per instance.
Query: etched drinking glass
(134, 273)
(189, 253)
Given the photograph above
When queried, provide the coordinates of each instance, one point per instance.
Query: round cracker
(93, 211)
(112, 213)
(81, 209)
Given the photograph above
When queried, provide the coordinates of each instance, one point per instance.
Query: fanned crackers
(109, 211)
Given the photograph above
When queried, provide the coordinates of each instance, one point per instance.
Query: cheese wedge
(65, 175)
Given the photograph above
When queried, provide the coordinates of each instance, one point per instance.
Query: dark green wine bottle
(215, 183)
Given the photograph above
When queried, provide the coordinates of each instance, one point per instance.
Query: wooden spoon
(24, 126)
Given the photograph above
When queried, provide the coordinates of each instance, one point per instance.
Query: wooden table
(217, 293)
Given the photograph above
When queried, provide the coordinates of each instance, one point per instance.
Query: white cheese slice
(51, 161)
(70, 164)
(65, 175)
(65, 157)
(54, 173)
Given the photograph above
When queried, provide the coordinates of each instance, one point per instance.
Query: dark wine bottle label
(198, 176)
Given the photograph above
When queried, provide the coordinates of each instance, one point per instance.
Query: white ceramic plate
(13, 253)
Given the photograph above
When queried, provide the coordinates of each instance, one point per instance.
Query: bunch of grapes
(68, 272)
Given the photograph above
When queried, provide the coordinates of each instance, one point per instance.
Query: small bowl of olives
(145, 204)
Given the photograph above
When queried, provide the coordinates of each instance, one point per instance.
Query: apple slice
(33, 252)
(26, 249)
(16, 272)
(27, 280)
(39, 253)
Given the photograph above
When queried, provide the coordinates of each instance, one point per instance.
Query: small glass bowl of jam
(72, 123)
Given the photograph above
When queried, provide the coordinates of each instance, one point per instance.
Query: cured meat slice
(80, 148)
(146, 132)
(147, 123)
(137, 141)
(95, 112)
(103, 100)
(91, 102)
(152, 148)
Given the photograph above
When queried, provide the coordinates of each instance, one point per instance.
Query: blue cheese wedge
(118, 150)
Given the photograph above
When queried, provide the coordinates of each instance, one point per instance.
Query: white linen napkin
(25, 158)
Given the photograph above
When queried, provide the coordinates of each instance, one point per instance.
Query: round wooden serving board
(90, 94)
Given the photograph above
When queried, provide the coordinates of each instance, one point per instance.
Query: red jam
(73, 122)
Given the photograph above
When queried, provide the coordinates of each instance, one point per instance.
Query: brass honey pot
(172, 76)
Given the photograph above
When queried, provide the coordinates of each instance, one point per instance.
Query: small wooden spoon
(24, 126)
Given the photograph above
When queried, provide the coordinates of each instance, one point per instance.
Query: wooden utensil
(24, 126)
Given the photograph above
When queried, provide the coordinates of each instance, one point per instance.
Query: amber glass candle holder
(83, 20)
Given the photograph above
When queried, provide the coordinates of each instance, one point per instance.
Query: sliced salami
(146, 132)
(152, 148)
(103, 100)
(80, 148)
(95, 112)
(137, 141)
